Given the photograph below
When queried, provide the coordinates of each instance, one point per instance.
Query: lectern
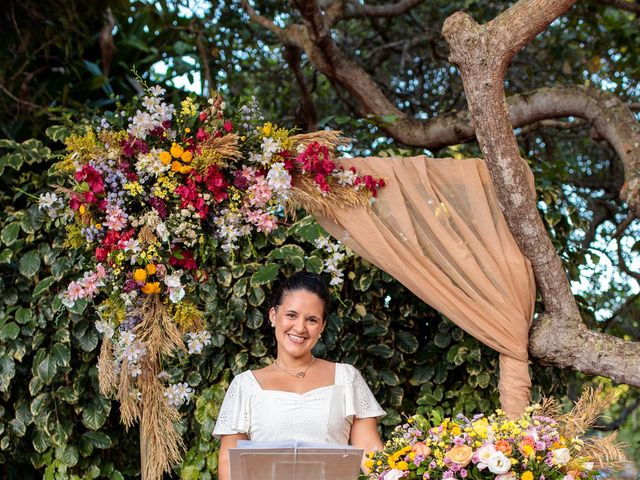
(294, 461)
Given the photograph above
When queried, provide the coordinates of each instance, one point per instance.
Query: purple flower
(159, 206)
(463, 473)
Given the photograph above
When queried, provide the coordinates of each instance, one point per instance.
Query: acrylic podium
(294, 461)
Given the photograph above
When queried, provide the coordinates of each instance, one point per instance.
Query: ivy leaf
(97, 439)
(10, 233)
(43, 285)
(29, 263)
(406, 341)
(9, 331)
(47, 369)
(61, 354)
(95, 413)
(265, 274)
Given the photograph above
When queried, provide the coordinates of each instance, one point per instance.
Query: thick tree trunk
(482, 53)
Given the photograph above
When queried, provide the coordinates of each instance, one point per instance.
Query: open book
(292, 460)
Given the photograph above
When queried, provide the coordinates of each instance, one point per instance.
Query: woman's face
(299, 321)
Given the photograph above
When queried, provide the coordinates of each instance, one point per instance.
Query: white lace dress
(324, 414)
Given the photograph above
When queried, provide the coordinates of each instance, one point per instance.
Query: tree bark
(482, 53)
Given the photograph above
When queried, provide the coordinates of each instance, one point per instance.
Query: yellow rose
(176, 150)
(186, 156)
(140, 275)
(528, 475)
(402, 465)
(151, 268)
(165, 158)
(151, 288)
(460, 455)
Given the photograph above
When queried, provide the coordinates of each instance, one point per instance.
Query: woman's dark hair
(311, 282)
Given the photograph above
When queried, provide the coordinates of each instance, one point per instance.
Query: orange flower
(503, 446)
(151, 288)
(176, 150)
(460, 455)
(185, 169)
(175, 166)
(186, 156)
(151, 268)
(165, 158)
(140, 275)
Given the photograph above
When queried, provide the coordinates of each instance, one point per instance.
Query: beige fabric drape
(437, 228)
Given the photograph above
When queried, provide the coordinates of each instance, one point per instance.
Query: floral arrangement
(142, 194)
(540, 445)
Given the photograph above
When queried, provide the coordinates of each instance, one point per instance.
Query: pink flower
(116, 219)
(267, 223)
(228, 126)
(260, 192)
(75, 291)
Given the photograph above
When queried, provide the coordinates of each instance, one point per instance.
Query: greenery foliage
(53, 421)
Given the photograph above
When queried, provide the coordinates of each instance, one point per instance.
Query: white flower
(176, 294)
(178, 393)
(135, 370)
(498, 463)
(279, 179)
(162, 231)
(173, 281)
(127, 338)
(322, 242)
(131, 245)
(345, 177)
(394, 474)
(561, 456)
(157, 91)
(588, 466)
(198, 340)
(105, 328)
(48, 200)
(336, 279)
(484, 454)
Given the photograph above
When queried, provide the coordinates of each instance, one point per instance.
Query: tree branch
(482, 54)
(353, 9)
(621, 4)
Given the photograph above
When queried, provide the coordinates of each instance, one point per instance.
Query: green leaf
(10, 233)
(23, 315)
(442, 339)
(9, 331)
(47, 369)
(254, 319)
(314, 264)
(89, 340)
(265, 274)
(380, 350)
(61, 354)
(70, 455)
(29, 263)
(286, 251)
(256, 296)
(363, 282)
(43, 285)
(6, 255)
(97, 439)
(406, 341)
(389, 377)
(95, 413)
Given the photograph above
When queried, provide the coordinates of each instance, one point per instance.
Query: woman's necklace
(300, 374)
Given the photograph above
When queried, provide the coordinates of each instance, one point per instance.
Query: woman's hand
(364, 434)
(227, 442)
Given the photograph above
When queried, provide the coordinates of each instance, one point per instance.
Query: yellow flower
(175, 166)
(165, 157)
(151, 288)
(368, 463)
(185, 169)
(267, 129)
(186, 156)
(455, 430)
(98, 226)
(176, 150)
(82, 209)
(528, 475)
(140, 275)
(151, 268)
(187, 130)
(402, 465)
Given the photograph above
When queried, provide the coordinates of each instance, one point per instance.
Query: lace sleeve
(360, 400)
(235, 412)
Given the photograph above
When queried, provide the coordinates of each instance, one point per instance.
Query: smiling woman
(298, 397)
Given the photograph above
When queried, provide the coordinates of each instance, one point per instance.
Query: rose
(421, 449)
(499, 463)
(503, 446)
(561, 456)
(484, 454)
(460, 455)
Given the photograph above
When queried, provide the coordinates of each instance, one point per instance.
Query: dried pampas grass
(329, 138)
(591, 404)
(606, 452)
(107, 374)
(157, 330)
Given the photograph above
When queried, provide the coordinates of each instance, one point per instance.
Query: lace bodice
(324, 414)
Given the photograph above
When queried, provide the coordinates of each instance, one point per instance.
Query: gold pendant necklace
(301, 374)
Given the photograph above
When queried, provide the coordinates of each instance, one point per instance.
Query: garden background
(65, 62)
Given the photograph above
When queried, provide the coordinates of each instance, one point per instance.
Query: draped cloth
(437, 228)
